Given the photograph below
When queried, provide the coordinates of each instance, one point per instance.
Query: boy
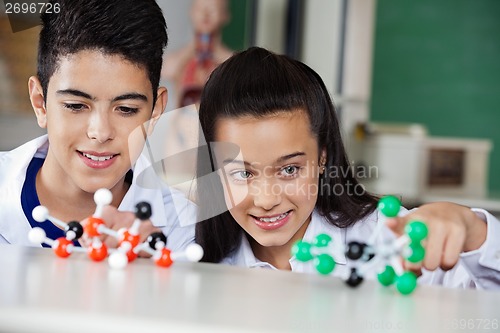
(97, 93)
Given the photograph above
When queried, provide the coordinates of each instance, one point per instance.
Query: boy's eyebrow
(279, 160)
(79, 93)
(131, 96)
(74, 92)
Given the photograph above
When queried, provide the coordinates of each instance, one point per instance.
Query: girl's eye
(128, 111)
(241, 175)
(75, 107)
(290, 171)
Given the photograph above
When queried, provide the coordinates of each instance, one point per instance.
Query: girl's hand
(453, 229)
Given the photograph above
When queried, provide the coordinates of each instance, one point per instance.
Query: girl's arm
(458, 232)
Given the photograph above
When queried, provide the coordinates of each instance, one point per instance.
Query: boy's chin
(92, 186)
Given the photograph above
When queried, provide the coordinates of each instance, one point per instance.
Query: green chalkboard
(437, 62)
(237, 32)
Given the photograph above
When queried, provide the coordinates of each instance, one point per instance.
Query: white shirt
(171, 211)
(476, 269)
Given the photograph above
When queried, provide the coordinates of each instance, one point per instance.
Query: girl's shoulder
(319, 221)
(364, 228)
(360, 230)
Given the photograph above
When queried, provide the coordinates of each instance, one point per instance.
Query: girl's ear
(322, 157)
(322, 161)
(37, 101)
(158, 108)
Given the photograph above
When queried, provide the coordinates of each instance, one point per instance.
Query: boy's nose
(100, 127)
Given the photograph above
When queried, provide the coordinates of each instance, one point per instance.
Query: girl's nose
(266, 194)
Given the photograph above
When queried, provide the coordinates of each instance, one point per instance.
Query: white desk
(40, 292)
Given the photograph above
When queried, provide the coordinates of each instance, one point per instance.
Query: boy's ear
(37, 101)
(158, 108)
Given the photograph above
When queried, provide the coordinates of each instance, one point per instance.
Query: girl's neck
(278, 256)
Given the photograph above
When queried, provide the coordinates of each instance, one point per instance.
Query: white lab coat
(172, 212)
(476, 269)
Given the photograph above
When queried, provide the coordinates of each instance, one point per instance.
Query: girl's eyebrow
(230, 161)
(290, 156)
(278, 161)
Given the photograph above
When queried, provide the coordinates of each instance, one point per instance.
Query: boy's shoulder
(170, 206)
(179, 206)
(13, 163)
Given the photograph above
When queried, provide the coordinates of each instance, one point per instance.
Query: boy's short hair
(133, 29)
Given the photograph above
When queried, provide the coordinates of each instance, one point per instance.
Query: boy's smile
(98, 160)
(94, 108)
(272, 186)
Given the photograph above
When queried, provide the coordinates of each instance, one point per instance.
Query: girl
(284, 175)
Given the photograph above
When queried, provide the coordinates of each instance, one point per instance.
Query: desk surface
(40, 292)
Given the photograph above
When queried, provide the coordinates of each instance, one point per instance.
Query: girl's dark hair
(259, 83)
(133, 29)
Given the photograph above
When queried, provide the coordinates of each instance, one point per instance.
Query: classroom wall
(322, 39)
(18, 52)
(437, 62)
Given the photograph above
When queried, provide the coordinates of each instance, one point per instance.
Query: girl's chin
(270, 240)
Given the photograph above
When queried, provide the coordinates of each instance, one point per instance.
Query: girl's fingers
(397, 224)
(415, 268)
(434, 246)
(452, 247)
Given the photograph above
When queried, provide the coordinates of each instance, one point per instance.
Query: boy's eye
(75, 106)
(127, 110)
(290, 170)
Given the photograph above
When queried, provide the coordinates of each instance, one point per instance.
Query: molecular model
(384, 258)
(128, 239)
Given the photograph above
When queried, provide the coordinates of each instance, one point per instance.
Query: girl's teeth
(97, 158)
(273, 219)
